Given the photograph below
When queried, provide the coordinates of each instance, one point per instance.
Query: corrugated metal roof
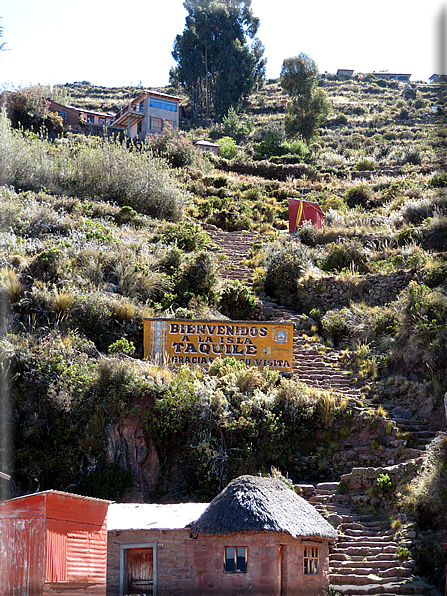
(132, 516)
(56, 492)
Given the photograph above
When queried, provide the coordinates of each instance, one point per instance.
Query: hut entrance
(140, 572)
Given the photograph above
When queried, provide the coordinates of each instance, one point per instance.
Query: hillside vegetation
(98, 234)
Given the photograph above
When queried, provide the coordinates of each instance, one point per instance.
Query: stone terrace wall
(374, 289)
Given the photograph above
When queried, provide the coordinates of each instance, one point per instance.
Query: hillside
(99, 234)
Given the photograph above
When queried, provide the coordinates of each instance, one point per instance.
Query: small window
(155, 123)
(141, 106)
(139, 127)
(90, 119)
(311, 566)
(235, 559)
(102, 121)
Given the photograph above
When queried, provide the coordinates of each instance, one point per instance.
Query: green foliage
(187, 235)
(227, 147)
(27, 108)
(105, 169)
(310, 106)
(285, 264)
(344, 255)
(177, 151)
(236, 301)
(215, 64)
(335, 327)
(365, 165)
(122, 346)
(109, 483)
(385, 484)
(358, 195)
(197, 277)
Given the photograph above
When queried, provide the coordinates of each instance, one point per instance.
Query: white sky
(118, 43)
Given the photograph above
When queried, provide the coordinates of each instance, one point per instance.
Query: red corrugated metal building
(53, 543)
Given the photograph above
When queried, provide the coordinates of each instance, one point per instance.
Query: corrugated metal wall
(53, 543)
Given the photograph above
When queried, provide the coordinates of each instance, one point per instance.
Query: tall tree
(310, 106)
(213, 56)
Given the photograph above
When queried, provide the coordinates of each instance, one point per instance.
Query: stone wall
(335, 291)
(194, 566)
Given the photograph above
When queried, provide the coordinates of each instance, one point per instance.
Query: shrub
(285, 264)
(385, 484)
(236, 301)
(365, 165)
(177, 151)
(227, 147)
(122, 346)
(27, 108)
(109, 483)
(343, 255)
(197, 277)
(335, 326)
(438, 181)
(187, 235)
(359, 194)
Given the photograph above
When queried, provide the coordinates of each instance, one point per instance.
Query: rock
(399, 412)
(425, 409)
(334, 519)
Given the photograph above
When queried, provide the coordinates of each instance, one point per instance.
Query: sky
(117, 43)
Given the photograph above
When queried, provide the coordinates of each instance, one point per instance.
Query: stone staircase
(368, 557)
(317, 368)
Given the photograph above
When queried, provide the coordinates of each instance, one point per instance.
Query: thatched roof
(250, 503)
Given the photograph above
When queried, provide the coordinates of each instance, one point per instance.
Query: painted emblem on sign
(281, 337)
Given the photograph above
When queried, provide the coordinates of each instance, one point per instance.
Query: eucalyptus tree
(216, 65)
(309, 106)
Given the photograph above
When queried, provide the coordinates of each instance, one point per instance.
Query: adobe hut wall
(263, 565)
(173, 559)
(187, 566)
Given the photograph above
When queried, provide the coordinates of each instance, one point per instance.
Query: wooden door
(140, 572)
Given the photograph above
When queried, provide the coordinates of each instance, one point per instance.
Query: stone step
(365, 580)
(389, 589)
(374, 563)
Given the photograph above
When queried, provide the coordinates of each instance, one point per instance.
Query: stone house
(393, 76)
(345, 72)
(205, 145)
(149, 113)
(256, 537)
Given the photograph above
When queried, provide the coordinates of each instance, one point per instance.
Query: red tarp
(301, 211)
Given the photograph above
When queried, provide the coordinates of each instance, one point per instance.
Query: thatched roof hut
(254, 504)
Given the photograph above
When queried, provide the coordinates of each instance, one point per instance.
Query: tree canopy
(216, 64)
(310, 106)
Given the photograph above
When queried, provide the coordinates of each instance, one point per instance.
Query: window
(168, 123)
(102, 121)
(63, 115)
(235, 559)
(141, 106)
(139, 127)
(170, 106)
(90, 119)
(155, 123)
(311, 566)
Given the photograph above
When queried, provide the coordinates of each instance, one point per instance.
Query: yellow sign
(180, 341)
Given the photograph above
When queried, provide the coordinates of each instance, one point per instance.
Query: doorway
(138, 570)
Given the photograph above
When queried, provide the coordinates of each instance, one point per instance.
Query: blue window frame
(63, 115)
(169, 106)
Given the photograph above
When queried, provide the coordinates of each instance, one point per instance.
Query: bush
(109, 483)
(122, 346)
(285, 264)
(236, 301)
(344, 255)
(227, 147)
(104, 168)
(187, 235)
(177, 151)
(197, 277)
(335, 326)
(359, 194)
(365, 165)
